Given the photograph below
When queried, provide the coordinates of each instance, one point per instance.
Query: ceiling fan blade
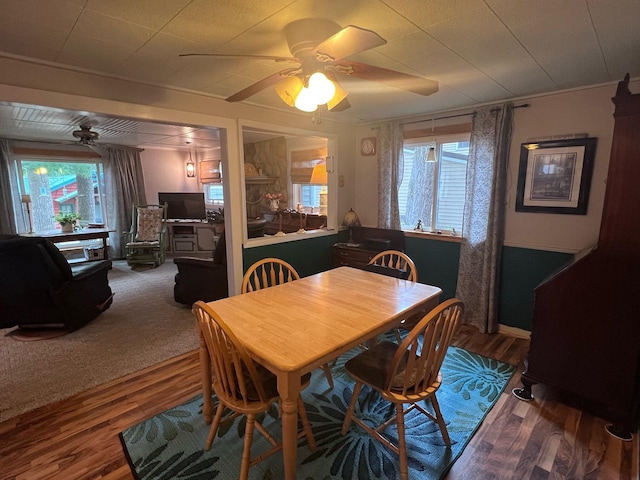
(262, 84)
(348, 41)
(231, 55)
(403, 81)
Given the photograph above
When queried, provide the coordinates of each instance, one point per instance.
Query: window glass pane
(433, 192)
(451, 185)
(214, 194)
(416, 193)
(63, 187)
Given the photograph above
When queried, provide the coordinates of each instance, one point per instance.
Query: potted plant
(68, 221)
(216, 218)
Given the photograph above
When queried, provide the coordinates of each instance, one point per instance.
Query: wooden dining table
(296, 327)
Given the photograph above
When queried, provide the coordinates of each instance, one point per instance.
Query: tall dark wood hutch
(585, 338)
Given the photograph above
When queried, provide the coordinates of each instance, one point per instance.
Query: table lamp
(351, 220)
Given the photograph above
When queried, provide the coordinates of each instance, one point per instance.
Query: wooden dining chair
(395, 263)
(242, 386)
(406, 373)
(269, 272)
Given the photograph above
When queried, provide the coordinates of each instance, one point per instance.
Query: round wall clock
(368, 146)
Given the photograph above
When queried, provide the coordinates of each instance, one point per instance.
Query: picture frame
(555, 176)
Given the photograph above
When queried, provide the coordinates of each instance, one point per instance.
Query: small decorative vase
(274, 204)
(66, 227)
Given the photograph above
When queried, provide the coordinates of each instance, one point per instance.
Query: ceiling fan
(85, 135)
(320, 48)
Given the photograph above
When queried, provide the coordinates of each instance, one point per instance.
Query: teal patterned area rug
(171, 445)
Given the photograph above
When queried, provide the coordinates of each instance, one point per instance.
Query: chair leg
(440, 420)
(352, 405)
(402, 443)
(246, 452)
(306, 426)
(327, 373)
(214, 426)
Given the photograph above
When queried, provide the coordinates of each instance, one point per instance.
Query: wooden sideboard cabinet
(350, 256)
(364, 244)
(191, 237)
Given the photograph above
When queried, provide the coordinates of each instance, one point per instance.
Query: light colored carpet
(143, 326)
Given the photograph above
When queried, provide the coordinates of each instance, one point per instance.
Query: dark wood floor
(77, 438)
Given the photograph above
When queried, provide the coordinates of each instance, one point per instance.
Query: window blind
(303, 161)
(210, 171)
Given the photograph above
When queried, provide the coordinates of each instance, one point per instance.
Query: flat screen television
(184, 205)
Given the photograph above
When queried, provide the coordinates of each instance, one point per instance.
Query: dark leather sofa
(38, 287)
(202, 278)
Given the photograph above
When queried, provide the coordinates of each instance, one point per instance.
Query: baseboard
(514, 331)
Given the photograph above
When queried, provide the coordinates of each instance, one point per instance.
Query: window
(63, 186)
(213, 194)
(302, 173)
(434, 192)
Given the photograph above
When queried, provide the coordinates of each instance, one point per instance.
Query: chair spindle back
(267, 273)
(416, 365)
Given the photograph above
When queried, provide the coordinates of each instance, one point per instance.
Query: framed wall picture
(555, 176)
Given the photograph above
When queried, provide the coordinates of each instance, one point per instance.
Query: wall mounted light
(191, 167)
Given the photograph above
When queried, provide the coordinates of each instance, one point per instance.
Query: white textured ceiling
(479, 51)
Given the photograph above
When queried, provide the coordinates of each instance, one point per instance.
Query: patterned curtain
(10, 223)
(390, 170)
(483, 223)
(124, 182)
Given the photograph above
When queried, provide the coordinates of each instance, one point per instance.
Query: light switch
(341, 181)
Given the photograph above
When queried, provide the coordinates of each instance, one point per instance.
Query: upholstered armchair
(146, 242)
(38, 287)
(202, 278)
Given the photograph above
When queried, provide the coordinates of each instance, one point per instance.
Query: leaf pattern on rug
(166, 424)
(467, 373)
(357, 454)
(170, 445)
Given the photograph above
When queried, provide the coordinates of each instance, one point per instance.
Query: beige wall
(171, 177)
(588, 110)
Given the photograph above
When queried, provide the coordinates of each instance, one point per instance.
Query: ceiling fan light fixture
(338, 97)
(321, 87)
(305, 101)
(289, 88)
(85, 136)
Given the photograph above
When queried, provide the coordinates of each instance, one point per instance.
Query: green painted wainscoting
(308, 256)
(523, 269)
(436, 261)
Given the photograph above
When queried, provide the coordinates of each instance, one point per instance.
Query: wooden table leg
(205, 375)
(289, 389)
